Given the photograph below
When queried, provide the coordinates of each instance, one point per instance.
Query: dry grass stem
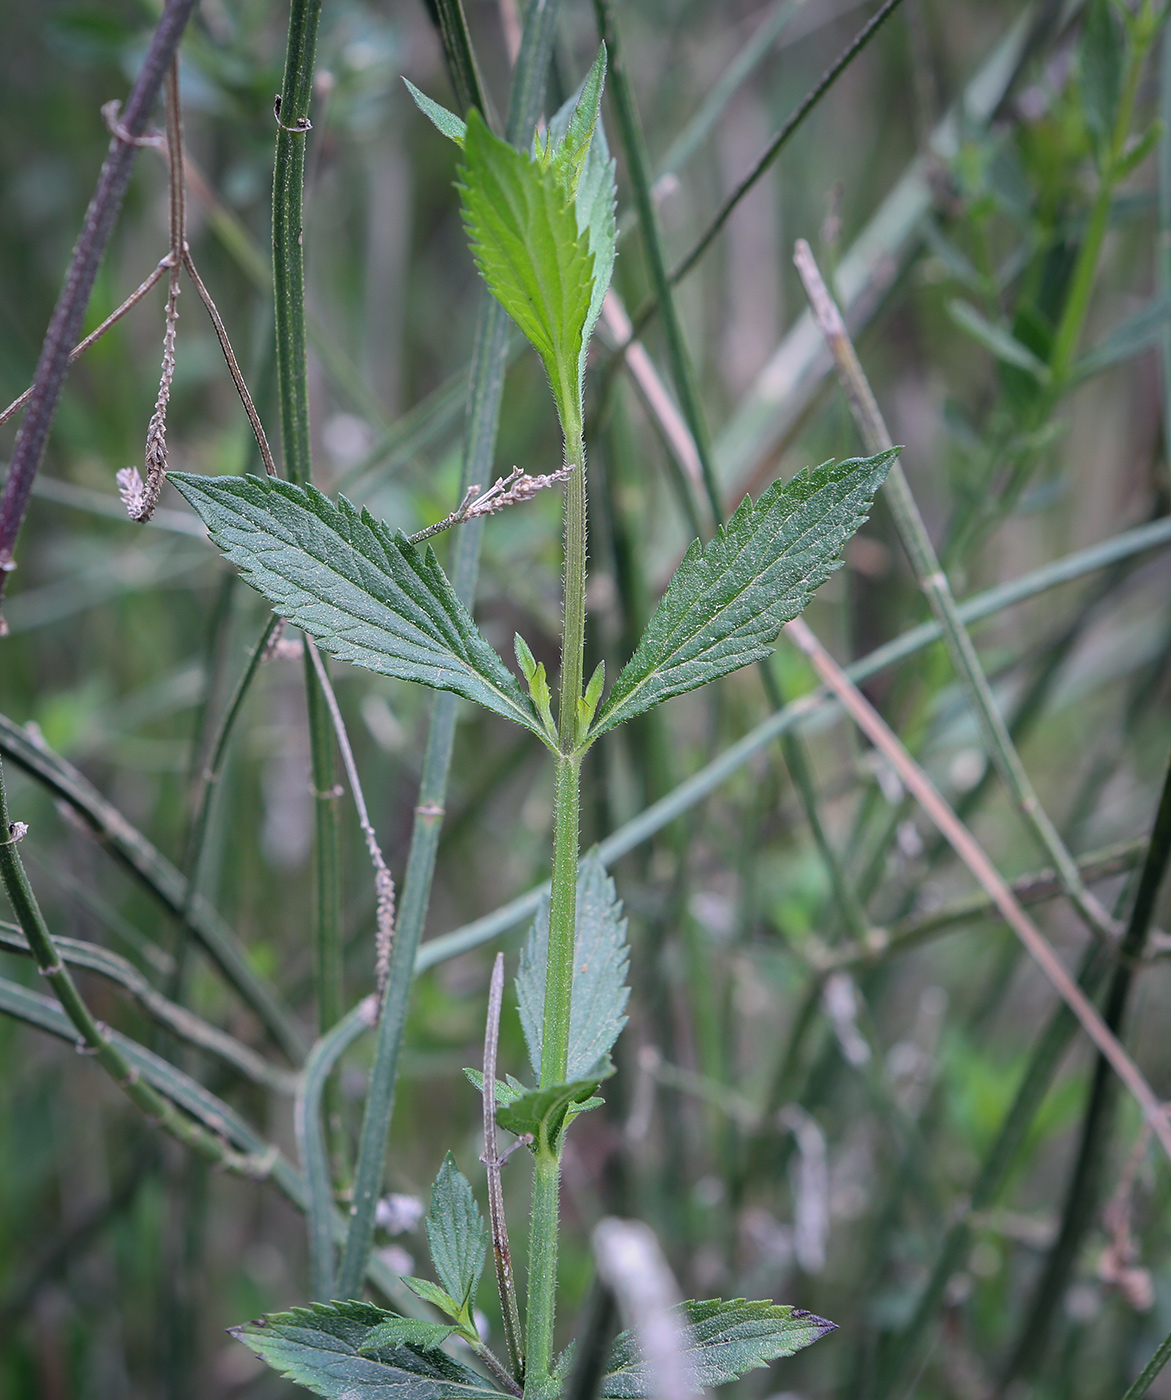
(965, 845)
(383, 880)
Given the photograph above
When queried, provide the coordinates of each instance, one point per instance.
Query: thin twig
(920, 786)
(383, 880)
(233, 365)
(934, 583)
(505, 1283)
(69, 312)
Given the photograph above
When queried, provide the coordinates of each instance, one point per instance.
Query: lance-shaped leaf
(727, 1338)
(363, 592)
(456, 1233)
(523, 228)
(320, 1347)
(453, 127)
(730, 598)
(601, 960)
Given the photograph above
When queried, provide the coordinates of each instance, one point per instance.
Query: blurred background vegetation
(801, 1112)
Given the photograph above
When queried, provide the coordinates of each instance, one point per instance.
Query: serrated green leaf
(601, 960)
(453, 127)
(506, 1093)
(363, 592)
(407, 1331)
(728, 1338)
(318, 1347)
(596, 188)
(433, 1294)
(545, 1112)
(456, 1233)
(524, 235)
(730, 598)
(996, 339)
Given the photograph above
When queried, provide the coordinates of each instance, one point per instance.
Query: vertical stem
(288, 264)
(542, 1273)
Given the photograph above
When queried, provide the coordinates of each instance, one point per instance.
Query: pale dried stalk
(383, 880)
(936, 587)
(511, 490)
(965, 845)
(502, 1253)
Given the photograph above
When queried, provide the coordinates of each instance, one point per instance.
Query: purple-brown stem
(69, 312)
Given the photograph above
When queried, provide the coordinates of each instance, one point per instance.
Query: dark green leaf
(525, 239)
(319, 1348)
(365, 593)
(545, 1112)
(456, 1233)
(600, 963)
(728, 1338)
(730, 598)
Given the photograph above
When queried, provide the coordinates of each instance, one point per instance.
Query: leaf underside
(363, 592)
(601, 960)
(729, 599)
(318, 1347)
(727, 1338)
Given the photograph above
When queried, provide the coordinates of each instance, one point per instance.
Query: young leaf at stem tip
(363, 592)
(729, 599)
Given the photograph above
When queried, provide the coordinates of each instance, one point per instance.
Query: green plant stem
(1085, 1181)
(487, 385)
(1151, 1370)
(542, 1293)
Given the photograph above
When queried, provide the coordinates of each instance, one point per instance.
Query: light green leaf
(453, 127)
(506, 1092)
(319, 1347)
(365, 594)
(407, 1331)
(728, 1338)
(730, 598)
(433, 1294)
(996, 339)
(1101, 60)
(601, 960)
(578, 121)
(456, 1233)
(545, 1113)
(524, 235)
(1134, 334)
